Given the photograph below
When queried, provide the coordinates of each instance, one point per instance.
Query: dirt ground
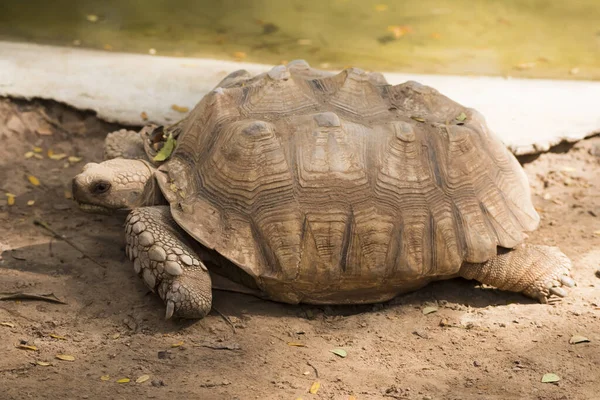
(480, 343)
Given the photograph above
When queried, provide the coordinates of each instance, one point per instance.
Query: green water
(521, 38)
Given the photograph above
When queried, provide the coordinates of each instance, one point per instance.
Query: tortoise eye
(100, 187)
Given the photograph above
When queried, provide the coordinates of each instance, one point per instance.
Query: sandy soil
(481, 343)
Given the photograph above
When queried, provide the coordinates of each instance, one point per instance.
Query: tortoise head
(115, 185)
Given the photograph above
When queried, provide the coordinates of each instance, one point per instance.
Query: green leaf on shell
(340, 352)
(550, 378)
(166, 150)
(461, 117)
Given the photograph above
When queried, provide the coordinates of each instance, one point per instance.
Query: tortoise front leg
(536, 271)
(168, 265)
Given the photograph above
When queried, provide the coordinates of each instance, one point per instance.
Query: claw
(567, 281)
(170, 309)
(558, 291)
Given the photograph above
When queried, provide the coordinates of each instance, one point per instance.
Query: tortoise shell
(342, 188)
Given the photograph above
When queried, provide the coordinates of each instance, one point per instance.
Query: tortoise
(305, 186)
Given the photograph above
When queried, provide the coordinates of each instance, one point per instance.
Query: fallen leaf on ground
(550, 378)
(52, 335)
(142, 379)
(144, 116)
(33, 180)
(314, 388)
(340, 352)
(116, 335)
(30, 202)
(29, 154)
(381, 7)
(65, 357)
(178, 344)
(105, 378)
(92, 17)
(296, 344)
(578, 339)
(50, 297)
(429, 310)
(9, 324)
(37, 149)
(10, 199)
(27, 347)
(54, 156)
(525, 65)
(180, 109)
(74, 159)
(418, 119)
(124, 380)
(44, 131)
(43, 363)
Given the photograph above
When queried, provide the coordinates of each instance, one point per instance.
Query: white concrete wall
(529, 115)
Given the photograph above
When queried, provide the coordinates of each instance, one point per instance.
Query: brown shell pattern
(330, 187)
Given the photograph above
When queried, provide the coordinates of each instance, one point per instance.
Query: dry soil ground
(480, 344)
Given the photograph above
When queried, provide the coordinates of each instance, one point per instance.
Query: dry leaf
(74, 159)
(142, 379)
(33, 180)
(239, 55)
(296, 344)
(9, 324)
(461, 117)
(29, 154)
(418, 119)
(44, 131)
(116, 335)
(525, 65)
(92, 17)
(105, 378)
(340, 352)
(550, 378)
(37, 149)
(52, 335)
(351, 397)
(399, 30)
(107, 47)
(43, 363)
(27, 347)
(57, 157)
(152, 51)
(68, 195)
(178, 344)
(315, 387)
(124, 380)
(429, 310)
(144, 116)
(10, 199)
(578, 339)
(65, 357)
(381, 7)
(180, 109)
(30, 202)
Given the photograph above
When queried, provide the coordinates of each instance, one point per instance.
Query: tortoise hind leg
(536, 271)
(167, 264)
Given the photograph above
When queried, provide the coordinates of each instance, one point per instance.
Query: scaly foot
(168, 265)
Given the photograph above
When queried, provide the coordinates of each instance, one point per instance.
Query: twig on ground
(69, 242)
